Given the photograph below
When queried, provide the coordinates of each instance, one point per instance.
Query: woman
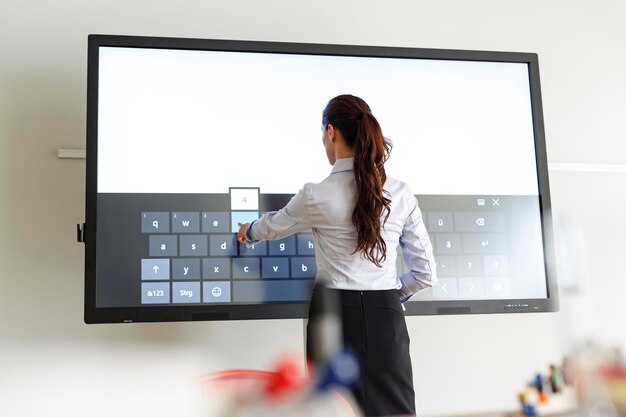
(359, 216)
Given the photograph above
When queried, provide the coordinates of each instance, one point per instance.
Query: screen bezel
(94, 314)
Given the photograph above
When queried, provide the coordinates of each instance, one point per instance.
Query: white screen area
(178, 121)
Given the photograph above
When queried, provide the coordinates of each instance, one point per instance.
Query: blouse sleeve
(292, 218)
(417, 251)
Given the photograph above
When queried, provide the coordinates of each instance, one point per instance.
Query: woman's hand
(241, 235)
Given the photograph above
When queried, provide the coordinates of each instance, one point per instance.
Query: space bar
(276, 290)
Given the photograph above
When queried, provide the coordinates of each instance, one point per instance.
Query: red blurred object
(613, 372)
(261, 390)
(286, 379)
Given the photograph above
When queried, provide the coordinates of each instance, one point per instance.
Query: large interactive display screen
(188, 137)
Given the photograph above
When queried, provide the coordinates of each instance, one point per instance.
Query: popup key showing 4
(244, 205)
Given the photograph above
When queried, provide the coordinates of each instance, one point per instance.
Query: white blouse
(327, 208)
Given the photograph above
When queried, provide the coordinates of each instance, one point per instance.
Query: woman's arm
(418, 256)
(273, 225)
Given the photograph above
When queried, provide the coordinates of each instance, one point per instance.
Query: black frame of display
(94, 314)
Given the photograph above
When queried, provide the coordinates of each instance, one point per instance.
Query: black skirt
(375, 329)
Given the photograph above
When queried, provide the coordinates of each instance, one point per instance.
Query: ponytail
(353, 117)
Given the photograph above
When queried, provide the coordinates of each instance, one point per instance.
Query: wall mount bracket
(80, 233)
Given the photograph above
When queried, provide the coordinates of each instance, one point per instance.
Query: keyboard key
(440, 222)
(185, 268)
(216, 268)
(153, 269)
(261, 291)
(275, 267)
(215, 222)
(496, 265)
(155, 222)
(446, 288)
(471, 288)
(286, 246)
(194, 245)
(470, 266)
(166, 245)
(223, 245)
(446, 266)
(244, 198)
(306, 244)
(497, 287)
(216, 292)
(479, 222)
(258, 249)
(303, 267)
(185, 222)
(185, 292)
(448, 243)
(242, 217)
(484, 243)
(246, 268)
(155, 293)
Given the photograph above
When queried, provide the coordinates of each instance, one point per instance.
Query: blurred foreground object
(285, 392)
(590, 382)
(599, 377)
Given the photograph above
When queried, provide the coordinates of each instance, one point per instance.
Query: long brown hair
(353, 118)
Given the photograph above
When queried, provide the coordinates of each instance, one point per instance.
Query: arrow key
(471, 288)
(445, 288)
(496, 265)
(155, 269)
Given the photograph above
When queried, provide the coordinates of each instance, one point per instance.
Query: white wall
(49, 358)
